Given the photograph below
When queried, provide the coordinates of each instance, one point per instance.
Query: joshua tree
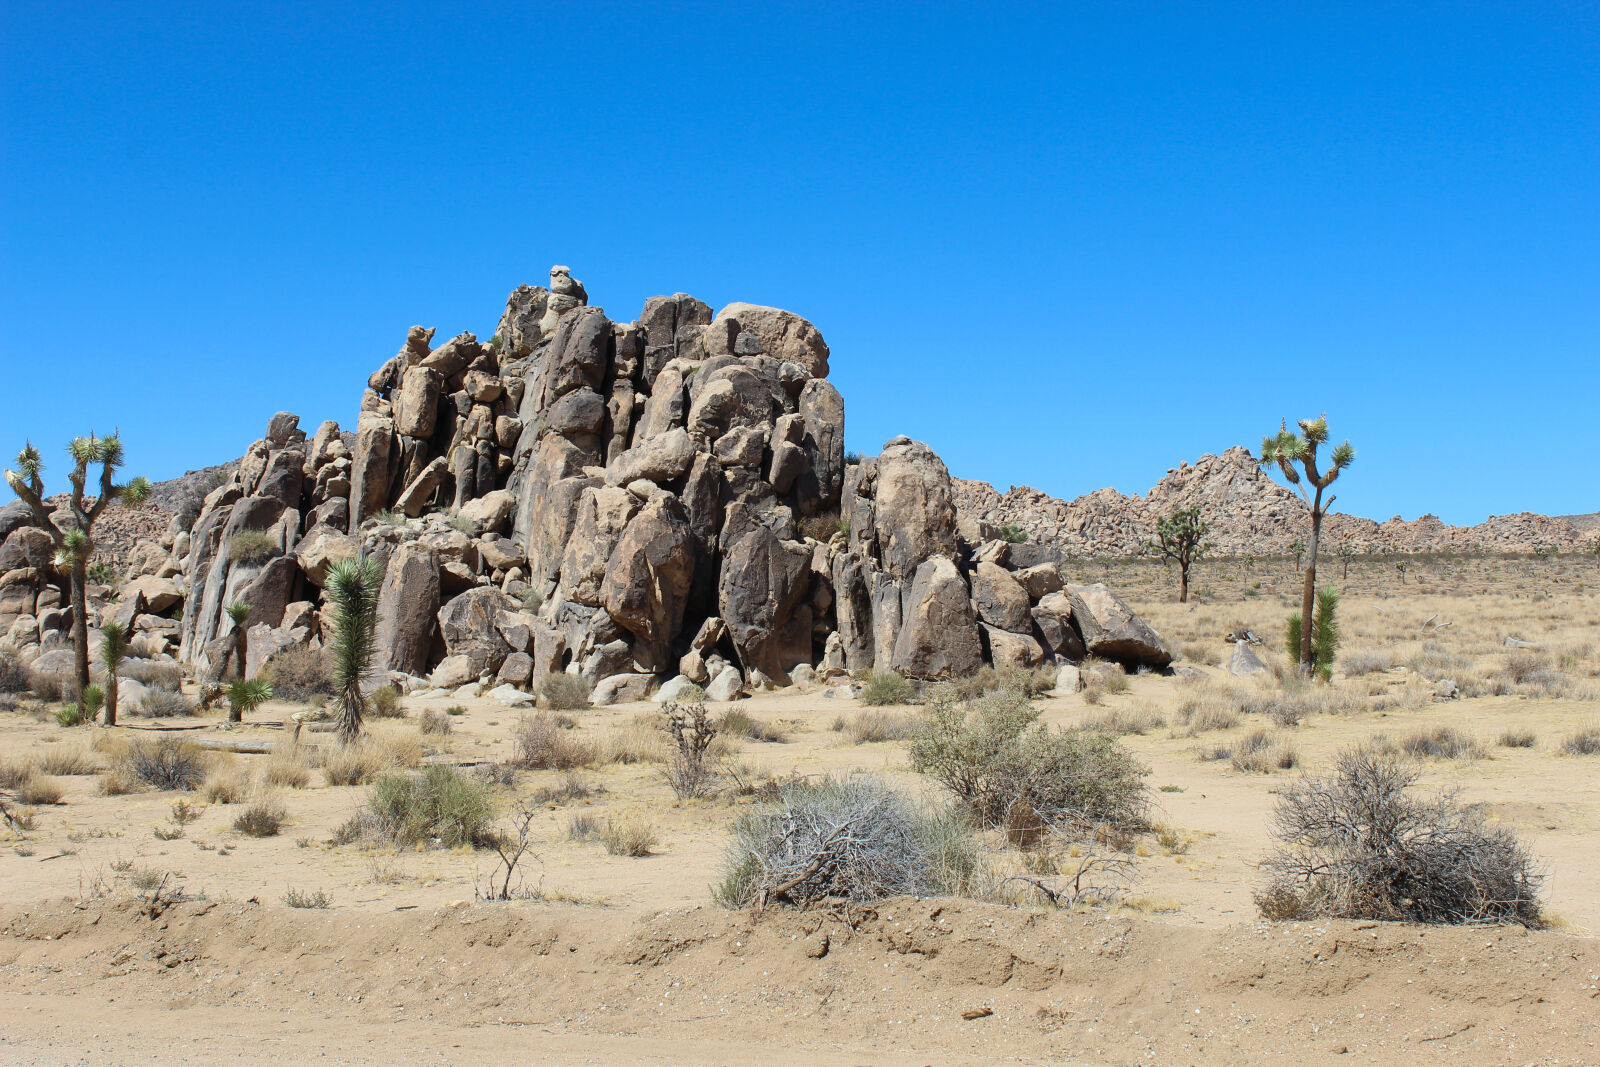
(1401, 566)
(352, 586)
(1286, 450)
(239, 612)
(246, 695)
(73, 534)
(113, 648)
(1298, 550)
(1180, 537)
(1347, 552)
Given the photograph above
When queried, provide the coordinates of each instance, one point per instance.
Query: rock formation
(664, 500)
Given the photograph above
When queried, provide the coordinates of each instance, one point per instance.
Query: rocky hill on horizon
(1250, 514)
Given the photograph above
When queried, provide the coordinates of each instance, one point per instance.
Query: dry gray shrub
(165, 763)
(690, 770)
(1358, 845)
(844, 839)
(542, 744)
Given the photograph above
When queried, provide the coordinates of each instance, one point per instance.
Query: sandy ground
(618, 959)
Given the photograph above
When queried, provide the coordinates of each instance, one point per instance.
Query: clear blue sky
(1068, 246)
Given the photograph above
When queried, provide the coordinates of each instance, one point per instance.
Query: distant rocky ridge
(1250, 513)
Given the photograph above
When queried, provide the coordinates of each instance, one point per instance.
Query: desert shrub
(260, 818)
(252, 546)
(1585, 742)
(165, 763)
(1201, 652)
(49, 686)
(572, 787)
(887, 687)
(689, 771)
(1029, 681)
(541, 744)
(66, 759)
(1113, 682)
(159, 674)
(855, 838)
(14, 773)
(1358, 845)
(385, 703)
(564, 692)
(1262, 752)
(1523, 665)
(1442, 742)
(117, 782)
(1203, 714)
(13, 675)
(38, 790)
(584, 827)
(1137, 720)
(355, 764)
(295, 898)
(640, 741)
(629, 838)
(286, 767)
(1518, 738)
(298, 674)
(440, 806)
(869, 727)
(224, 785)
(433, 722)
(166, 704)
(70, 715)
(1013, 534)
(737, 722)
(1365, 661)
(996, 758)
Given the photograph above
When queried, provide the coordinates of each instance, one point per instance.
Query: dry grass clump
(642, 740)
(886, 687)
(117, 782)
(573, 786)
(1200, 652)
(628, 838)
(160, 674)
(355, 764)
(298, 674)
(1135, 720)
(225, 784)
(294, 898)
(288, 766)
(845, 839)
(584, 827)
(564, 692)
(434, 723)
(165, 763)
(13, 675)
(66, 759)
(166, 704)
(260, 818)
(252, 546)
(1442, 742)
(1262, 752)
(385, 702)
(1518, 738)
(1363, 661)
(736, 722)
(37, 790)
(1029, 681)
(542, 744)
(1357, 845)
(1209, 711)
(873, 727)
(1585, 742)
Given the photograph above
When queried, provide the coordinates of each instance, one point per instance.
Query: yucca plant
(352, 588)
(1324, 633)
(113, 650)
(246, 695)
(74, 536)
(1295, 454)
(239, 612)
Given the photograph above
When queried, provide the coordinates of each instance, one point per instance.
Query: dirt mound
(959, 981)
(1250, 514)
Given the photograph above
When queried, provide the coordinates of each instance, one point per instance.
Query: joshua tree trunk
(80, 625)
(240, 646)
(1183, 582)
(111, 697)
(1308, 595)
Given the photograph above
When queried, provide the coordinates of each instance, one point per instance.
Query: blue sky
(1068, 246)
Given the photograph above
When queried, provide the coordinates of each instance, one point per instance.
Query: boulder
(510, 696)
(452, 672)
(369, 473)
(467, 627)
(1245, 663)
(491, 512)
(1040, 581)
(1001, 600)
(159, 595)
(320, 549)
(1112, 631)
(422, 489)
(416, 402)
(659, 459)
(783, 335)
(1068, 679)
(938, 637)
(648, 578)
(726, 686)
(408, 602)
(762, 598)
(913, 514)
(603, 515)
(1006, 649)
(622, 689)
(672, 690)
(517, 669)
(1054, 629)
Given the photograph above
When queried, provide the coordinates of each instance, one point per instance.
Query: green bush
(998, 760)
(887, 687)
(385, 703)
(439, 806)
